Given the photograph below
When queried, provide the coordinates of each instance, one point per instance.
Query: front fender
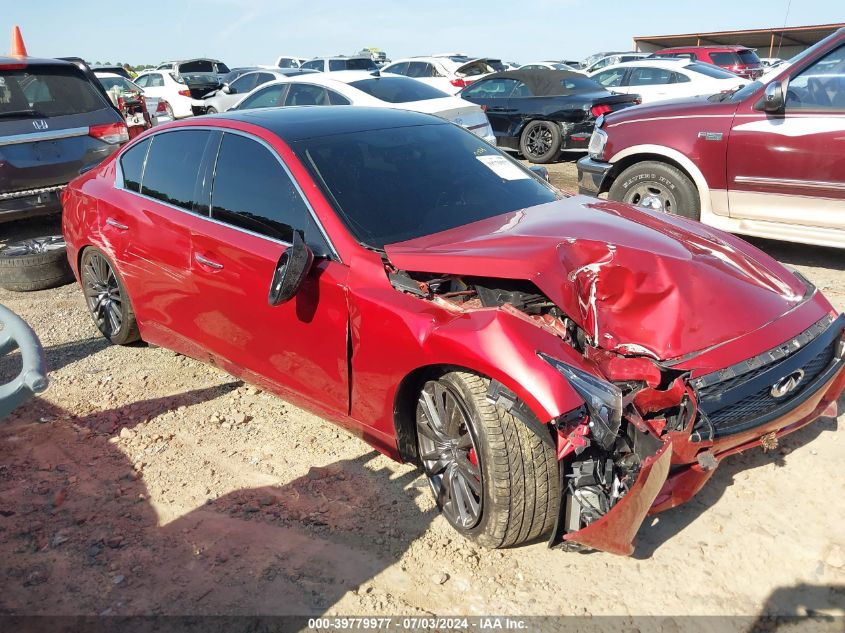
(393, 334)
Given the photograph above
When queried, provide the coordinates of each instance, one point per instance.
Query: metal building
(776, 42)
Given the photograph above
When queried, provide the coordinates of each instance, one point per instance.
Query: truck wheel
(35, 264)
(657, 186)
(494, 477)
(540, 141)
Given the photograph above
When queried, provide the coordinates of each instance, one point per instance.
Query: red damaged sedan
(560, 365)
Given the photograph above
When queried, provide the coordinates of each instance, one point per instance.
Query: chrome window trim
(334, 254)
(789, 182)
(49, 135)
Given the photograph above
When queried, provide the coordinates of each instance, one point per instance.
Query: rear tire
(658, 186)
(210, 110)
(540, 141)
(106, 298)
(35, 264)
(516, 462)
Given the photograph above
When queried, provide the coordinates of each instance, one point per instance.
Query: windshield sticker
(503, 168)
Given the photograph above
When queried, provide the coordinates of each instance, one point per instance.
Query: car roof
(33, 61)
(654, 62)
(715, 47)
(540, 82)
(301, 122)
(105, 75)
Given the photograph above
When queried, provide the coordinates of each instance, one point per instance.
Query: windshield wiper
(36, 114)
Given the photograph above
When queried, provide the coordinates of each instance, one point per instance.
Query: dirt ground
(146, 482)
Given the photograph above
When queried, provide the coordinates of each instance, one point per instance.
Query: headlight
(597, 142)
(603, 400)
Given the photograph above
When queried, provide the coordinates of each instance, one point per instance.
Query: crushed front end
(671, 436)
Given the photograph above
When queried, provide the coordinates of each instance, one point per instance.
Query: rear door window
(399, 69)
(244, 84)
(44, 91)
(610, 78)
(173, 162)
(336, 98)
(649, 76)
(132, 165)
(251, 190)
(305, 94)
(269, 97)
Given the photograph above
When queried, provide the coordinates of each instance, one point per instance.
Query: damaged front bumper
(684, 462)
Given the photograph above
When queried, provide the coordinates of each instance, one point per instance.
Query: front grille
(740, 397)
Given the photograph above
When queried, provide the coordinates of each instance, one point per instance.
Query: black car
(542, 112)
(55, 123)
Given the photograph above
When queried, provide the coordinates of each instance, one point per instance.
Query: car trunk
(200, 84)
(466, 115)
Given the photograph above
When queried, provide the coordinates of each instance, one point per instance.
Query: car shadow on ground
(800, 254)
(80, 534)
(817, 601)
(658, 529)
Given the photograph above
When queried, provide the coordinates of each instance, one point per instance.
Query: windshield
(396, 184)
(398, 89)
(737, 95)
(44, 91)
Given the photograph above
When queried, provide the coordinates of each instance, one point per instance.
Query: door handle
(116, 224)
(207, 262)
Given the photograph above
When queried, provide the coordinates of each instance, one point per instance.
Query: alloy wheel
(34, 246)
(539, 140)
(102, 293)
(449, 454)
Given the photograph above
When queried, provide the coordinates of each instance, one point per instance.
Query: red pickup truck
(765, 160)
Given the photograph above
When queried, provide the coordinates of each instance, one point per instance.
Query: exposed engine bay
(601, 455)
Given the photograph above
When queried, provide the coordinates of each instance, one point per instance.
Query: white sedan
(161, 84)
(660, 80)
(360, 88)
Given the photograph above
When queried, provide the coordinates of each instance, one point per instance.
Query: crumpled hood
(638, 281)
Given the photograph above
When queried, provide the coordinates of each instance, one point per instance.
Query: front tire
(494, 477)
(540, 141)
(211, 110)
(657, 186)
(106, 298)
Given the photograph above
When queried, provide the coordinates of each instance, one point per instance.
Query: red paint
(704, 54)
(615, 531)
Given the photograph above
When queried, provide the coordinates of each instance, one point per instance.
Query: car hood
(687, 106)
(637, 281)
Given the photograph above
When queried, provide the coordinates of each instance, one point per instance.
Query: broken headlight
(603, 400)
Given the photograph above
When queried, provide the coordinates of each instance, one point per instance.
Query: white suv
(340, 62)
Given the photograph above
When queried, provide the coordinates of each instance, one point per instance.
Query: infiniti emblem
(40, 124)
(787, 384)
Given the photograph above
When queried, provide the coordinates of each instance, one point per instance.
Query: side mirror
(773, 98)
(228, 89)
(290, 272)
(540, 171)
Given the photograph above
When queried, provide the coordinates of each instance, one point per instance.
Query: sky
(247, 32)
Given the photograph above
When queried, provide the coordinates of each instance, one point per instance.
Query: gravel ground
(147, 482)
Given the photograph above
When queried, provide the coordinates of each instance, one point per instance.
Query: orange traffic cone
(18, 49)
